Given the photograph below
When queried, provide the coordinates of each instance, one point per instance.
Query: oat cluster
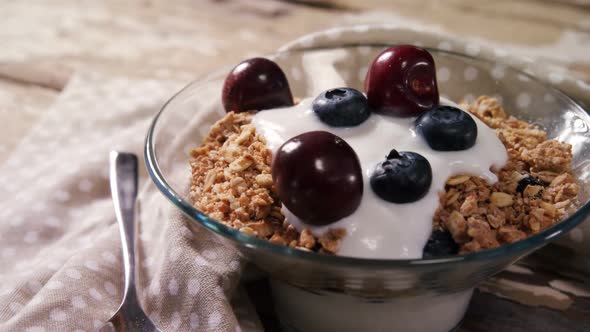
(482, 216)
(232, 182)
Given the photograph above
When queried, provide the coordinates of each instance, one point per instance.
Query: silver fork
(123, 177)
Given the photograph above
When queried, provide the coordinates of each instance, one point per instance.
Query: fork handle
(123, 180)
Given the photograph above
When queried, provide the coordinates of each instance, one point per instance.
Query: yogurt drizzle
(379, 229)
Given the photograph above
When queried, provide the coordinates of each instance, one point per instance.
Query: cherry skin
(402, 82)
(256, 84)
(318, 177)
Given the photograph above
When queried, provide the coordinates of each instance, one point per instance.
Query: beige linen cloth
(60, 256)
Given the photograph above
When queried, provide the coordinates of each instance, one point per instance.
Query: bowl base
(300, 310)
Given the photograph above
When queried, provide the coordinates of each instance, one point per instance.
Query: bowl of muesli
(374, 184)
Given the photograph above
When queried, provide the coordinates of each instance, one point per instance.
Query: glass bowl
(306, 283)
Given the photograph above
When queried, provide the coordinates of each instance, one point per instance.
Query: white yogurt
(380, 229)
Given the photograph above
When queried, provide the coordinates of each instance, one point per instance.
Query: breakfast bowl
(319, 292)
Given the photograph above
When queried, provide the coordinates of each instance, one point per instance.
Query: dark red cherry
(318, 177)
(256, 84)
(402, 82)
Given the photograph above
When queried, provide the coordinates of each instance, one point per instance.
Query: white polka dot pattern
(443, 74)
(95, 294)
(549, 98)
(8, 252)
(234, 265)
(210, 254)
(556, 78)
(523, 100)
(54, 265)
(74, 274)
(110, 288)
(78, 302)
(173, 287)
(498, 71)
(97, 323)
(16, 221)
(470, 74)
(54, 284)
(155, 288)
(58, 315)
(92, 265)
(175, 320)
(109, 257)
(62, 196)
(194, 321)
(149, 262)
(194, 286)
(174, 255)
(214, 320)
(499, 98)
(445, 46)
(186, 232)
(51, 221)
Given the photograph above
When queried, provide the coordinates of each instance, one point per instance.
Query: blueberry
(403, 177)
(341, 107)
(447, 128)
(528, 181)
(440, 243)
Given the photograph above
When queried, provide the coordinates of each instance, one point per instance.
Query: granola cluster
(232, 182)
(482, 216)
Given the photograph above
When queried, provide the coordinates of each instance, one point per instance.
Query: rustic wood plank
(489, 313)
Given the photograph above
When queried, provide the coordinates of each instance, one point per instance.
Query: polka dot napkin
(60, 256)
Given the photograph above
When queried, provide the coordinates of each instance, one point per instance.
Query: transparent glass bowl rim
(513, 249)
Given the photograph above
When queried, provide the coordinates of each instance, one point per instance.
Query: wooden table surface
(43, 42)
